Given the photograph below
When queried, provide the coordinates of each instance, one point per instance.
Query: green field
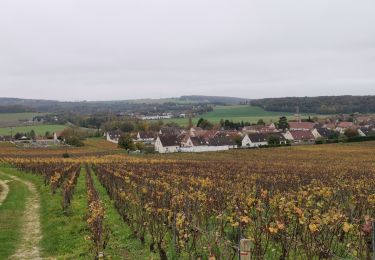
(15, 119)
(39, 129)
(236, 113)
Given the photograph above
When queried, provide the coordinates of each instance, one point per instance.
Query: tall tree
(283, 123)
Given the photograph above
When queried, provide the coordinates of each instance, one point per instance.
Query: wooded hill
(319, 105)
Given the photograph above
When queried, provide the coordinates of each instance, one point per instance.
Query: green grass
(11, 212)
(235, 113)
(39, 129)
(122, 242)
(14, 119)
(64, 236)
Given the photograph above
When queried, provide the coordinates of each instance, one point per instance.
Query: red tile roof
(301, 125)
(302, 135)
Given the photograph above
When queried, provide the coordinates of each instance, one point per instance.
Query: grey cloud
(98, 50)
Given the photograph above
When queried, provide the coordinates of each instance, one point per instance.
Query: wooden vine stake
(245, 245)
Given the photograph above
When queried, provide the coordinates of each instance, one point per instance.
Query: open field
(15, 119)
(236, 113)
(39, 129)
(93, 146)
(292, 202)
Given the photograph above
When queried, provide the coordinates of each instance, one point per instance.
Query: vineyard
(292, 203)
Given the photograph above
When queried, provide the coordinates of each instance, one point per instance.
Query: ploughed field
(312, 202)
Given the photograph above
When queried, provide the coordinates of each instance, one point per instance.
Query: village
(172, 139)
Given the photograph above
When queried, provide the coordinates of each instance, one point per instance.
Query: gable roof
(169, 140)
(302, 134)
(147, 135)
(170, 130)
(301, 125)
(263, 137)
(367, 130)
(257, 137)
(221, 140)
(345, 124)
(197, 140)
(325, 132)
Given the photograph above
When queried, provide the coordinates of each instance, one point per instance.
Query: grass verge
(11, 212)
(64, 236)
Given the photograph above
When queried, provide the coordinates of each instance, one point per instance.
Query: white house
(300, 136)
(254, 140)
(316, 133)
(261, 139)
(113, 136)
(167, 144)
(146, 137)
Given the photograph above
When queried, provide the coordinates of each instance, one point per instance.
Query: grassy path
(122, 242)
(64, 236)
(4, 190)
(11, 213)
(31, 233)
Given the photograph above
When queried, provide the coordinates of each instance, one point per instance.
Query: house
(113, 136)
(167, 144)
(342, 126)
(260, 129)
(222, 141)
(300, 136)
(366, 131)
(322, 132)
(261, 139)
(305, 126)
(146, 137)
(5, 138)
(254, 140)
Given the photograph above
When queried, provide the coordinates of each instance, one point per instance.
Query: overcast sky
(101, 50)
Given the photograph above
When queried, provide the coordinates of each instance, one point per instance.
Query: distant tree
(273, 140)
(283, 123)
(342, 138)
(32, 134)
(261, 122)
(350, 132)
(126, 142)
(155, 126)
(17, 136)
(320, 140)
(200, 121)
(74, 141)
(333, 135)
(205, 124)
(238, 140)
(127, 127)
(140, 146)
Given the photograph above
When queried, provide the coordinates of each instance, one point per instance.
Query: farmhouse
(366, 131)
(167, 144)
(322, 132)
(300, 137)
(260, 129)
(342, 126)
(170, 130)
(254, 140)
(262, 139)
(113, 136)
(222, 142)
(305, 126)
(146, 137)
(6, 138)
